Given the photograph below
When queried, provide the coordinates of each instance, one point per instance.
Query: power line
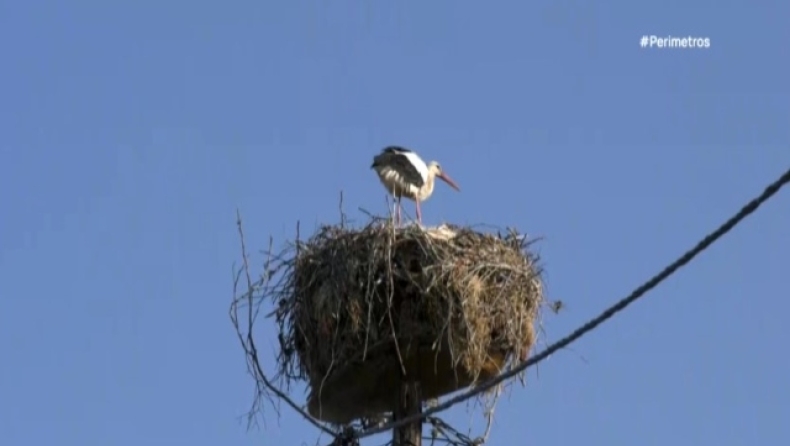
(705, 243)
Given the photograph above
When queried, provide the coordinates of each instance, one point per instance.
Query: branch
(268, 389)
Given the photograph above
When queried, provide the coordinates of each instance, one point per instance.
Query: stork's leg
(419, 213)
(399, 210)
(395, 205)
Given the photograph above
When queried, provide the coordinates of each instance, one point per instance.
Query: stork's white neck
(427, 189)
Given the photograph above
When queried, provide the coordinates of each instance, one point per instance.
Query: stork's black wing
(394, 158)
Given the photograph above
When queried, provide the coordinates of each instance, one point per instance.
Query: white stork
(404, 174)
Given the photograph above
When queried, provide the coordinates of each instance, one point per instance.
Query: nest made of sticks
(466, 300)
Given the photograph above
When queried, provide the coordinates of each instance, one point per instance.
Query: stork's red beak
(449, 181)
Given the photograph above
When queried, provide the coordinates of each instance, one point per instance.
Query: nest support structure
(359, 308)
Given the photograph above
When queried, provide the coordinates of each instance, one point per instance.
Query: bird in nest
(404, 174)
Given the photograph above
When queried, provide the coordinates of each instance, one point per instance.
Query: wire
(706, 242)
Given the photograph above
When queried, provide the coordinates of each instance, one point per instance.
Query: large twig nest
(461, 303)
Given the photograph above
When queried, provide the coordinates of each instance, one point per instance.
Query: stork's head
(435, 169)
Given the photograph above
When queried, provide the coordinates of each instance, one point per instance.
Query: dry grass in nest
(461, 303)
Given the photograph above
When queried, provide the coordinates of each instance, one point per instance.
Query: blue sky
(131, 131)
